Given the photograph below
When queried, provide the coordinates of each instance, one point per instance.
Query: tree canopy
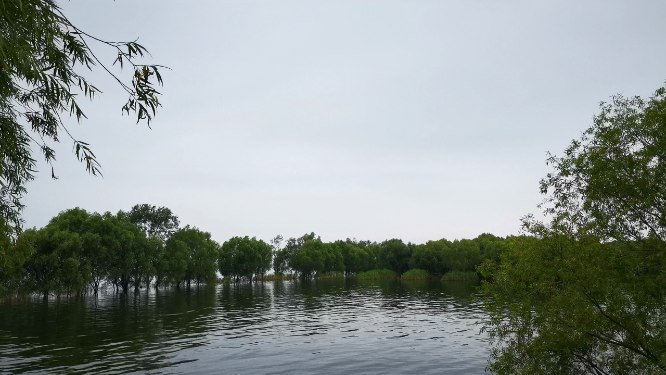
(154, 221)
(244, 257)
(42, 55)
(612, 182)
(586, 293)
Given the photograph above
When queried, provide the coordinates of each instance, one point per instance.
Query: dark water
(318, 327)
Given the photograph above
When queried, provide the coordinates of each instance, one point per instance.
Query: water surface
(292, 327)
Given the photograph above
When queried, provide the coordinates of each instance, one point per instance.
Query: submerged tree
(77, 250)
(40, 51)
(172, 265)
(244, 258)
(282, 258)
(57, 265)
(13, 256)
(311, 258)
(203, 253)
(586, 294)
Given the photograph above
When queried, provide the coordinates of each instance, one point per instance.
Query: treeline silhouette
(80, 252)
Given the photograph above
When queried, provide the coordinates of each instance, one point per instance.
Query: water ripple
(327, 326)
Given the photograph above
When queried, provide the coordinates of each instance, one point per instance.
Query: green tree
(490, 246)
(294, 245)
(157, 254)
(373, 250)
(586, 293)
(355, 259)
(463, 255)
(244, 258)
(310, 260)
(143, 255)
(159, 222)
(282, 258)
(394, 255)
(92, 230)
(114, 248)
(203, 254)
(281, 261)
(57, 266)
(432, 257)
(100, 246)
(369, 256)
(129, 245)
(173, 266)
(333, 259)
(40, 53)
(13, 256)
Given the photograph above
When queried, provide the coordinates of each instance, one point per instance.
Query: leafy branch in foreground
(585, 292)
(40, 51)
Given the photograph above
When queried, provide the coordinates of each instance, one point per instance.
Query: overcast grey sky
(417, 120)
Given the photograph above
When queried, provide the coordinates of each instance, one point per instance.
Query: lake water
(292, 327)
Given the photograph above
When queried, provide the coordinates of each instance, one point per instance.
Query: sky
(374, 120)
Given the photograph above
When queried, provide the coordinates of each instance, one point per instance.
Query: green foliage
(378, 274)
(40, 55)
(317, 258)
(77, 249)
(333, 259)
(159, 222)
(203, 253)
(310, 257)
(572, 305)
(611, 182)
(281, 261)
(394, 255)
(282, 256)
(440, 257)
(99, 247)
(431, 257)
(463, 255)
(158, 261)
(129, 244)
(355, 259)
(244, 258)
(460, 276)
(80, 251)
(56, 265)
(310, 260)
(415, 274)
(490, 246)
(173, 265)
(586, 293)
(12, 258)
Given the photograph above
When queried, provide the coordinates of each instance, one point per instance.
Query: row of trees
(308, 256)
(80, 251)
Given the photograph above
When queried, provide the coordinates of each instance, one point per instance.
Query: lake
(290, 327)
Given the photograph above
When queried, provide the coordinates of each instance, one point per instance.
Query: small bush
(415, 274)
(460, 276)
(378, 274)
